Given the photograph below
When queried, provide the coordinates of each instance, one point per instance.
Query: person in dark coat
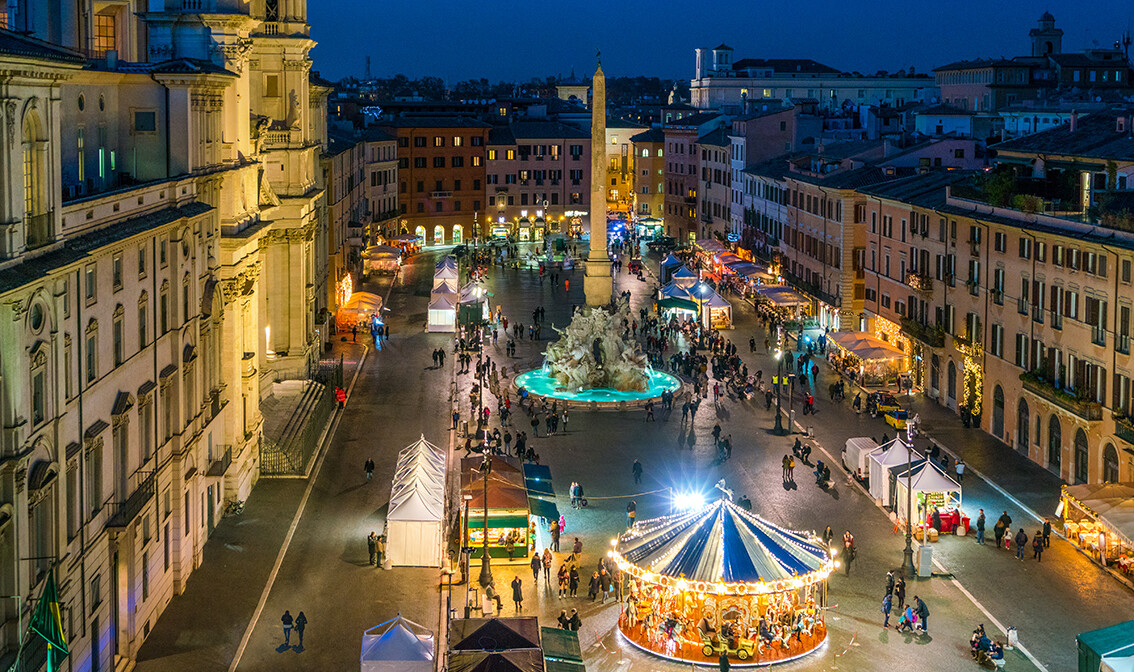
(1037, 545)
(564, 622)
(300, 624)
(574, 581)
(637, 471)
(723, 661)
(922, 612)
(887, 605)
(604, 583)
(536, 563)
(1046, 533)
(594, 587)
(890, 582)
(980, 528)
(1021, 542)
(1002, 527)
(900, 592)
(518, 593)
(575, 621)
(287, 621)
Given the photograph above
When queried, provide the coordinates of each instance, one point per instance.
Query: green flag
(48, 622)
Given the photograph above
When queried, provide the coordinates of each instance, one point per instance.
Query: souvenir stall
(716, 312)
(507, 507)
(1099, 517)
(359, 311)
(442, 313)
(871, 360)
(677, 302)
(683, 277)
(706, 249)
(408, 243)
(398, 645)
(932, 489)
(417, 507)
(722, 580)
(885, 457)
(473, 305)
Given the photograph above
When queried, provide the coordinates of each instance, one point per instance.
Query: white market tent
(927, 478)
(442, 313)
(683, 277)
(358, 311)
(882, 459)
(446, 286)
(417, 507)
(444, 273)
(783, 296)
(398, 645)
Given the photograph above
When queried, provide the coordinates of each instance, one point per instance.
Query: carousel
(722, 580)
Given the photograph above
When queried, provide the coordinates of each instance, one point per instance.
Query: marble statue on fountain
(591, 352)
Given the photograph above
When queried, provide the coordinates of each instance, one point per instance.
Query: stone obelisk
(598, 286)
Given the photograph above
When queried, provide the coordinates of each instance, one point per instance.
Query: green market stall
(507, 505)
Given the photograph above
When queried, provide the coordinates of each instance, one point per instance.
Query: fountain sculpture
(591, 353)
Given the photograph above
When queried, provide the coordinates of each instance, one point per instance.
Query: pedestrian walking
(922, 611)
(300, 625)
(369, 468)
(890, 582)
(1003, 527)
(791, 469)
(287, 621)
(631, 512)
(960, 469)
(604, 583)
(555, 535)
(518, 593)
(594, 586)
(980, 528)
(684, 411)
(536, 564)
(785, 462)
(849, 550)
(1037, 545)
(573, 579)
(900, 593)
(887, 605)
(547, 566)
(1046, 533)
(563, 577)
(372, 547)
(577, 549)
(1021, 540)
(650, 412)
(637, 470)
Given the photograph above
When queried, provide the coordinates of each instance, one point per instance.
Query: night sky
(459, 39)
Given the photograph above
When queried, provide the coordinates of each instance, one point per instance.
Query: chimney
(1074, 122)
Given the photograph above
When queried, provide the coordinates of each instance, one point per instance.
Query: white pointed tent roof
(887, 456)
(445, 272)
(398, 640)
(447, 261)
(445, 286)
(932, 479)
(442, 302)
(418, 492)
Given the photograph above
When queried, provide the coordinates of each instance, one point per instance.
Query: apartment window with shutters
(1126, 271)
(1071, 304)
(974, 277)
(1038, 300)
(1041, 252)
(92, 352)
(1121, 394)
(997, 341)
(1056, 307)
(1025, 248)
(998, 286)
(1022, 351)
(972, 327)
(119, 336)
(1096, 318)
(1122, 338)
(1000, 241)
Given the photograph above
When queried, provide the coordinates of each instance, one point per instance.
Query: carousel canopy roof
(721, 543)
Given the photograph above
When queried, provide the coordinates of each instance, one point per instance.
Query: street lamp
(779, 387)
(907, 554)
(485, 564)
(465, 553)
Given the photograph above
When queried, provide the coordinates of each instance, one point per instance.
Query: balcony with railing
(1082, 406)
(933, 336)
(1098, 334)
(219, 466)
(440, 194)
(38, 231)
(142, 487)
(1124, 427)
(919, 281)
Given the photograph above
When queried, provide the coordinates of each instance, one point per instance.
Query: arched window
(185, 299)
(998, 412)
(1082, 459)
(952, 382)
(1054, 444)
(37, 222)
(1110, 464)
(1022, 426)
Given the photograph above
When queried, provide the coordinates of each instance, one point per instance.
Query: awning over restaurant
(865, 346)
(1112, 503)
(783, 296)
(712, 246)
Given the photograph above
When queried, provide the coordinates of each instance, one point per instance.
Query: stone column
(598, 286)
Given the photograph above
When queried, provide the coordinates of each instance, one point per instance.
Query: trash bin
(924, 560)
(464, 428)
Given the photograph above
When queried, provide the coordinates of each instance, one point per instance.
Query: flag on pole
(47, 622)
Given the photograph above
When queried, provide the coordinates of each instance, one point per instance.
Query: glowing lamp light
(682, 585)
(687, 501)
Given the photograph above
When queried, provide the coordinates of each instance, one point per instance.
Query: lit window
(104, 36)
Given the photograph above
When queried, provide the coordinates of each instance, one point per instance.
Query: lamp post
(465, 552)
(907, 555)
(779, 386)
(485, 564)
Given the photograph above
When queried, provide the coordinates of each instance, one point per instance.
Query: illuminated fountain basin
(539, 383)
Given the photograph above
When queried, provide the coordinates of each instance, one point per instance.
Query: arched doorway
(1110, 464)
(951, 386)
(458, 234)
(420, 233)
(1022, 426)
(438, 235)
(1054, 444)
(998, 412)
(935, 377)
(1082, 457)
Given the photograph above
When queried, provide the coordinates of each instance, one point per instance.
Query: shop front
(508, 532)
(868, 359)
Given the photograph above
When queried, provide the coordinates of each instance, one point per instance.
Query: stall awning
(1111, 503)
(712, 246)
(559, 644)
(866, 347)
(682, 304)
(748, 269)
(541, 494)
(476, 521)
(783, 296)
(543, 508)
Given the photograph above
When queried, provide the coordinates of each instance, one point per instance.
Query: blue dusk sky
(515, 41)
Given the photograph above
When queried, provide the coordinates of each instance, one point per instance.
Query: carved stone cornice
(288, 236)
(243, 284)
(303, 64)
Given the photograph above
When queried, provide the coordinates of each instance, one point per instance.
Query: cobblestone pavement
(399, 396)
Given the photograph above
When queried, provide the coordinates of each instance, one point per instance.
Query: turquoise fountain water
(538, 381)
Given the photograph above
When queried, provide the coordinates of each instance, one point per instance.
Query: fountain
(591, 362)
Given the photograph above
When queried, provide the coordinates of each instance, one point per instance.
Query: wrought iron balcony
(932, 336)
(142, 488)
(1124, 427)
(220, 466)
(1086, 409)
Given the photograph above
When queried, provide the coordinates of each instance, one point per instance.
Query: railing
(1098, 334)
(933, 336)
(1124, 427)
(1084, 408)
(290, 454)
(142, 487)
(220, 466)
(38, 231)
(1122, 343)
(919, 281)
(270, 28)
(440, 194)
